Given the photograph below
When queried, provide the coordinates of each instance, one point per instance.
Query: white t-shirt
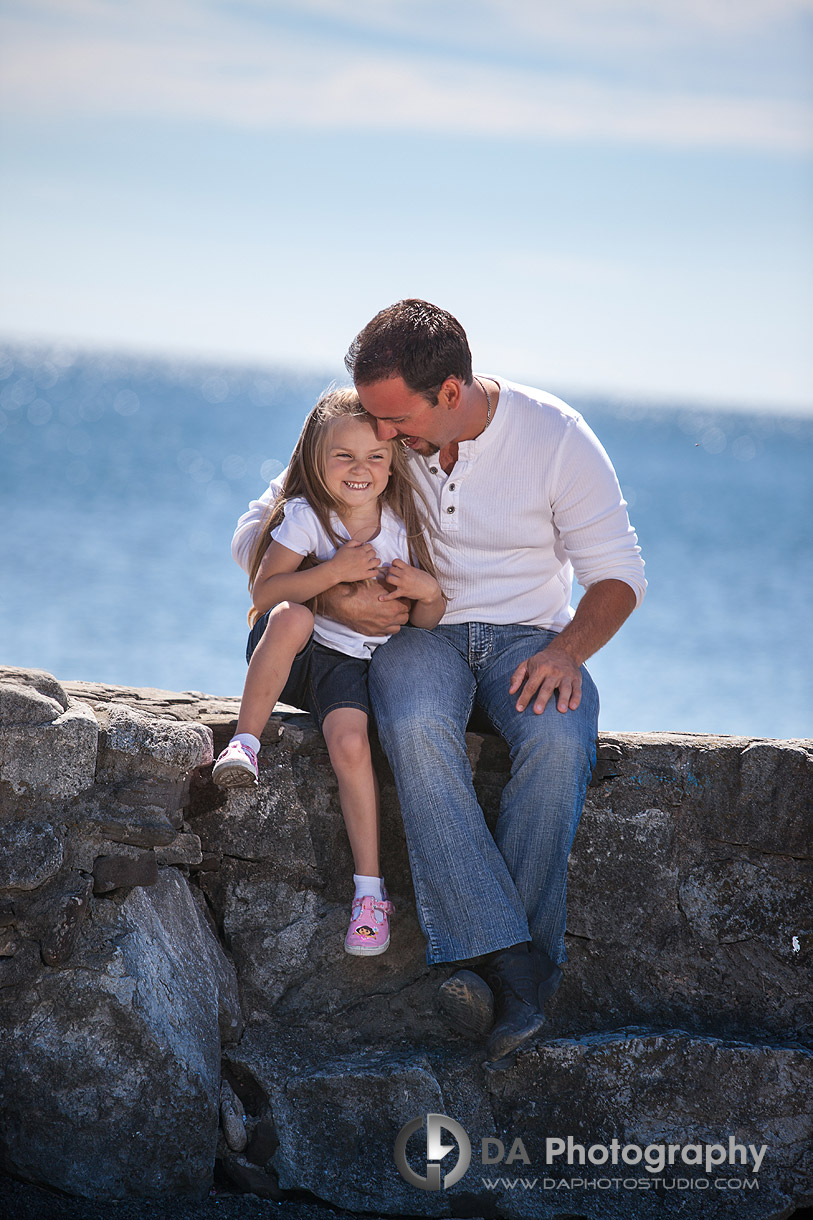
(302, 532)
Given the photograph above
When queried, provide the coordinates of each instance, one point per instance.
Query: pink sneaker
(236, 767)
(369, 931)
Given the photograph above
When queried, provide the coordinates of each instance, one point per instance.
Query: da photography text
(444, 1135)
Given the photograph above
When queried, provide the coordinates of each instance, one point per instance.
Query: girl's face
(357, 463)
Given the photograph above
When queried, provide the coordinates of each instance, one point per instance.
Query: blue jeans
(476, 893)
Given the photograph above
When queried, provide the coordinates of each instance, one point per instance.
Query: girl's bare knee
(289, 623)
(349, 749)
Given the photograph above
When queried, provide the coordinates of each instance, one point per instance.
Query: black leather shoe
(467, 1003)
(521, 979)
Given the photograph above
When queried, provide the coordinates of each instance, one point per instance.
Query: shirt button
(451, 487)
(450, 509)
(433, 469)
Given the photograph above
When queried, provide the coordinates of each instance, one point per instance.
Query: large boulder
(115, 994)
(621, 1098)
(688, 889)
(111, 1066)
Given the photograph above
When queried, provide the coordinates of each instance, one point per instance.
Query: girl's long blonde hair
(305, 477)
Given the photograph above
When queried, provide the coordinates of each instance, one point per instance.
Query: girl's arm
(428, 615)
(428, 603)
(280, 579)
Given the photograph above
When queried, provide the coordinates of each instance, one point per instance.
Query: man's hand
(599, 614)
(543, 674)
(361, 607)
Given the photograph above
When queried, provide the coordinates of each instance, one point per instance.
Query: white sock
(367, 886)
(247, 739)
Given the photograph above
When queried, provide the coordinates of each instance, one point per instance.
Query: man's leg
(422, 691)
(552, 756)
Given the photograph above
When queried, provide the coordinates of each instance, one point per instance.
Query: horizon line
(636, 400)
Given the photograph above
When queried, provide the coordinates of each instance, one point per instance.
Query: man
(520, 495)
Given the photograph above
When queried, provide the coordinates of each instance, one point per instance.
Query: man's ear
(451, 393)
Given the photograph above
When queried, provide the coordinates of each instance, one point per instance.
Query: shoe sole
(360, 951)
(233, 776)
(467, 1004)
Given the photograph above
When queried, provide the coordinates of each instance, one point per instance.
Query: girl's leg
(348, 744)
(287, 632)
(346, 733)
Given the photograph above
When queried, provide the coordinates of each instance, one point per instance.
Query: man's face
(405, 414)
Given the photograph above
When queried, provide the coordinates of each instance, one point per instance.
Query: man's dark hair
(414, 340)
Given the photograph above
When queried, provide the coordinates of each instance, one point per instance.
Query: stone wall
(169, 951)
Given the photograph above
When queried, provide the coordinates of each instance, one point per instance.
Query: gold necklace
(488, 401)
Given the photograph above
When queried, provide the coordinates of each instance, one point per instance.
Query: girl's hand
(354, 561)
(412, 583)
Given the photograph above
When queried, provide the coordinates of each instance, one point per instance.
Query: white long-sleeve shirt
(530, 501)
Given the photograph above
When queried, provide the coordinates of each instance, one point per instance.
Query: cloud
(631, 22)
(266, 69)
(599, 29)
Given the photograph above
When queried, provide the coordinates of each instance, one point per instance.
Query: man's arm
(590, 516)
(363, 608)
(249, 524)
(282, 578)
(599, 614)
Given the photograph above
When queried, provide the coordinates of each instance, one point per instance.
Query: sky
(614, 196)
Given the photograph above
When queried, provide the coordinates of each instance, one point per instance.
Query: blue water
(121, 480)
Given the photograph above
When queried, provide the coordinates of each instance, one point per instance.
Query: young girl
(348, 502)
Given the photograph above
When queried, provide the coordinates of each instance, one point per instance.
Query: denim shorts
(321, 679)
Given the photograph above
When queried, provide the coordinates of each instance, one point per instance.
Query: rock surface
(115, 998)
(684, 1016)
(636, 1087)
